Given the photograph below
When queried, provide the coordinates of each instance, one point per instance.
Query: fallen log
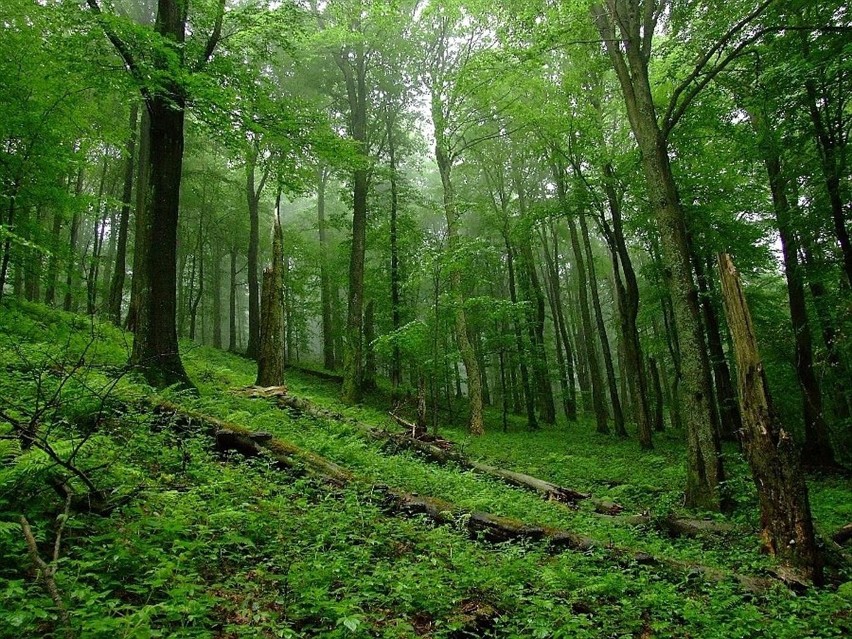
(479, 525)
(546, 489)
(675, 526)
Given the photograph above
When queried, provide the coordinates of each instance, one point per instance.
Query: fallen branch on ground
(488, 526)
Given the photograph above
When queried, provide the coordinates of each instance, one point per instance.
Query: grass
(223, 547)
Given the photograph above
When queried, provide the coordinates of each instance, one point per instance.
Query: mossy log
(546, 489)
(480, 525)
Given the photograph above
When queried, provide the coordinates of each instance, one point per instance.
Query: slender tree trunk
(97, 244)
(536, 314)
(564, 355)
(474, 381)
(195, 299)
(216, 285)
(354, 72)
(659, 423)
(396, 321)
(585, 316)
(116, 292)
(575, 326)
(7, 244)
(817, 450)
(325, 282)
(526, 386)
(232, 303)
(140, 213)
(785, 513)
(627, 292)
(53, 260)
(629, 56)
(253, 193)
(830, 164)
(729, 414)
(369, 381)
(617, 414)
(71, 264)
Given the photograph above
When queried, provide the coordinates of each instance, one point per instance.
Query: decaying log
(481, 525)
(675, 526)
(430, 450)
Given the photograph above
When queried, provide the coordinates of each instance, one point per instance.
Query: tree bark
(585, 316)
(817, 449)
(270, 360)
(155, 347)
(116, 291)
(659, 423)
(704, 462)
(71, 264)
(564, 359)
(474, 382)
(617, 413)
(785, 514)
(329, 361)
(253, 193)
(396, 319)
(354, 73)
(627, 291)
(232, 302)
(526, 386)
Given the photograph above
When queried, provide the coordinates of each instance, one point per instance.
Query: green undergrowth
(212, 546)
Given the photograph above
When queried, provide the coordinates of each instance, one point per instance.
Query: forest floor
(206, 544)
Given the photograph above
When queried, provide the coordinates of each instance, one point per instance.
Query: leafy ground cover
(211, 545)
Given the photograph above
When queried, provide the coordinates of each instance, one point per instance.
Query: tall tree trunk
(232, 302)
(155, 347)
(354, 72)
(369, 381)
(729, 414)
(617, 414)
(329, 361)
(536, 314)
(597, 387)
(195, 299)
(253, 193)
(575, 327)
(97, 244)
(526, 386)
(565, 358)
(216, 286)
(785, 513)
(659, 423)
(139, 214)
(629, 56)
(53, 260)
(396, 357)
(627, 291)
(7, 244)
(116, 291)
(71, 263)
(476, 425)
(817, 448)
(830, 161)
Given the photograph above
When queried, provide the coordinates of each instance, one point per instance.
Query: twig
(48, 571)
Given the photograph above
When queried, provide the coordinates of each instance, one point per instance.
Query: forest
(425, 318)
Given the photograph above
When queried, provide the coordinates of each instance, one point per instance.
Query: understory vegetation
(207, 544)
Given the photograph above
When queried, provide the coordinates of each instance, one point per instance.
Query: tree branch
(121, 47)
